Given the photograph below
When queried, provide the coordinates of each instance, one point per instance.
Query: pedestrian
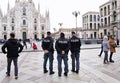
(75, 44)
(47, 46)
(62, 46)
(34, 46)
(24, 43)
(12, 47)
(113, 45)
(118, 42)
(105, 49)
(101, 49)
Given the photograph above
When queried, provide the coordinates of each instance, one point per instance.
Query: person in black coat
(101, 49)
(118, 42)
(24, 43)
(62, 46)
(47, 46)
(75, 44)
(12, 47)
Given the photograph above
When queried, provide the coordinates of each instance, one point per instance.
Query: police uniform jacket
(75, 44)
(62, 44)
(47, 44)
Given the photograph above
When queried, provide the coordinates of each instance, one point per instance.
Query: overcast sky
(61, 10)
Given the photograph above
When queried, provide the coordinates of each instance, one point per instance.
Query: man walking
(101, 49)
(47, 46)
(13, 48)
(62, 47)
(75, 45)
(24, 43)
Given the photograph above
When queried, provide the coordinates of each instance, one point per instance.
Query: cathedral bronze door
(5, 37)
(35, 36)
(42, 35)
(24, 35)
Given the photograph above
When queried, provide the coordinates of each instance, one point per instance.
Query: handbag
(114, 45)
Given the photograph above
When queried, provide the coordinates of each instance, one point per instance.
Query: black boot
(7, 74)
(65, 74)
(112, 61)
(52, 72)
(77, 71)
(45, 71)
(73, 70)
(106, 62)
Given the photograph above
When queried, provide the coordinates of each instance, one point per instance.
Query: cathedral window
(35, 28)
(24, 11)
(4, 28)
(35, 21)
(12, 20)
(12, 28)
(24, 22)
(42, 27)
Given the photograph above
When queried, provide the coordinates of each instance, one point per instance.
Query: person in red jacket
(34, 46)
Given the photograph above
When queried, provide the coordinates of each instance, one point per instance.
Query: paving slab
(92, 69)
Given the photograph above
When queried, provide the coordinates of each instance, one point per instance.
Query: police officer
(47, 46)
(75, 45)
(62, 47)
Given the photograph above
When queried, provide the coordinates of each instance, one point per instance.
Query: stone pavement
(92, 69)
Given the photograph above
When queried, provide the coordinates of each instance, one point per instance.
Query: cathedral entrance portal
(42, 35)
(5, 37)
(24, 35)
(35, 36)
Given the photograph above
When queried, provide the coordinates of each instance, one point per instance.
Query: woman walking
(105, 49)
(112, 48)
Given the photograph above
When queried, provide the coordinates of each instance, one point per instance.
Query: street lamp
(76, 13)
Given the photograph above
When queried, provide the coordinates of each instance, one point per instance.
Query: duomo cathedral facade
(24, 20)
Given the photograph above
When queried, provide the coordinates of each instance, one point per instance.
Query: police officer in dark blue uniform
(75, 45)
(47, 46)
(62, 47)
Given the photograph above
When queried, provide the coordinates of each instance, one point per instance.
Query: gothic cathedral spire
(8, 6)
(38, 7)
(0, 12)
